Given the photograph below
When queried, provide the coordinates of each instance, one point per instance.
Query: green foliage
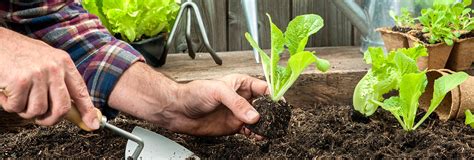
(385, 75)
(446, 19)
(404, 107)
(280, 78)
(133, 19)
(469, 118)
(405, 19)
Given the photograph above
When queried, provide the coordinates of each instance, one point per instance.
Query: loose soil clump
(274, 117)
(314, 131)
(401, 29)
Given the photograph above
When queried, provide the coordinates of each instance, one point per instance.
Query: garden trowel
(142, 143)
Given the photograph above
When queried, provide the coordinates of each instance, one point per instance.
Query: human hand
(39, 81)
(216, 107)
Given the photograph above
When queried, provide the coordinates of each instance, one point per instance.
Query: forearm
(145, 93)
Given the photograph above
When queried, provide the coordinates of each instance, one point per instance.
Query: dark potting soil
(274, 117)
(421, 37)
(314, 131)
(401, 29)
(467, 35)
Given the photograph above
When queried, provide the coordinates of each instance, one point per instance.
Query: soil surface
(401, 29)
(315, 131)
(420, 35)
(274, 117)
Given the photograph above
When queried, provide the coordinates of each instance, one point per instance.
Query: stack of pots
(457, 57)
(456, 102)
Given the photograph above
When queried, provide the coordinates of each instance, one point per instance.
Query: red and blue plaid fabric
(63, 24)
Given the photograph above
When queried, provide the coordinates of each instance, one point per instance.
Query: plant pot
(11, 120)
(393, 39)
(462, 55)
(467, 97)
(153, 49)
(456, 102)
(438, 53)
(449, 107)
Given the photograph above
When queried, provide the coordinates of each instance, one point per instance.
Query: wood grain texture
(337, 30)
(278, 9)
(225, 24)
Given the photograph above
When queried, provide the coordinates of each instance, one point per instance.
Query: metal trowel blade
(157, 147)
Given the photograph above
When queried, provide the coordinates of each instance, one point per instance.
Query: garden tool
(141, 144)
(250, 11)
(375, 14)
(187, 7)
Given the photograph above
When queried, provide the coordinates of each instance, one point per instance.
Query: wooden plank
(278, 9)
(337, 31)
(182, 68)
(215, 23)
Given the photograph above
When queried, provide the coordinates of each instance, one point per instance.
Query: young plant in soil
(404, 107)
(384, 76)
(469, 118)
(275, 113)
(445, 21)
(403, 22)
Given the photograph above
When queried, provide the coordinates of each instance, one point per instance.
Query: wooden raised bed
(322, 126)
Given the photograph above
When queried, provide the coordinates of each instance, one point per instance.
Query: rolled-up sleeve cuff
(103, 68)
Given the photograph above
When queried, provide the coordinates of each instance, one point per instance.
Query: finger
(37, 100)
(80, 95)
(256, 86)
(17, 95)
(3, 98)
(239, 106)
(60, 103)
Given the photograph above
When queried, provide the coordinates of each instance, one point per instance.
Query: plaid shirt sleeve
(63, 24)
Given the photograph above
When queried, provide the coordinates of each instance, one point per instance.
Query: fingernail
(95, 123)
(251, 114)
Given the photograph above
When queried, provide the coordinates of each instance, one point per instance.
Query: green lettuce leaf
(411, 87)
(299, 29)
(469, 118)
(442, 86)
(280, 78)
(134, 19)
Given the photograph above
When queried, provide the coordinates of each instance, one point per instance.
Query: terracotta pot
(462, 55)
(392, 39)
(449, 107)
(438, 54)
(11, 120)
(467, 97)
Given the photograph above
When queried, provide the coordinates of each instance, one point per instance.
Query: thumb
(239, 106)
(85, 118)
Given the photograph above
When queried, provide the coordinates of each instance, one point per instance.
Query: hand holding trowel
(142, 143)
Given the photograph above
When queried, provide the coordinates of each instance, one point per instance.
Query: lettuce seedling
(279, 78)
(446, 19)
(469, 118)
(134, 19)
(405, 19)
(385, 75)
(412, 86)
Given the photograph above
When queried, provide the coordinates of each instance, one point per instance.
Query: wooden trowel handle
(75, 117)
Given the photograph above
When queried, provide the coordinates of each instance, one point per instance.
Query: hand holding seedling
(201, 107)
(39, 81)
(217, 107)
